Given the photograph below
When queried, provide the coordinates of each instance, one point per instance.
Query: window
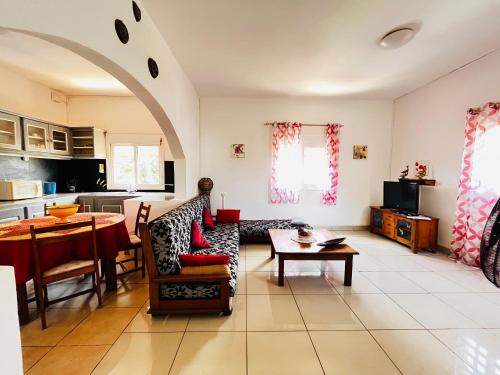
(315, 168)
(135, 166)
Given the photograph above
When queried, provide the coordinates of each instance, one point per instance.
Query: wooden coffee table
(288, 249)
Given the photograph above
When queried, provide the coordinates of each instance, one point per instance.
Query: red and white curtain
(479, 186)
(285, 180)
(332, 149)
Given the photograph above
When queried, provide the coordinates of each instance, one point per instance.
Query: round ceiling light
(397, 38)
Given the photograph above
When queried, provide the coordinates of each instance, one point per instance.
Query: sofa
(257, 231)
(168, 236)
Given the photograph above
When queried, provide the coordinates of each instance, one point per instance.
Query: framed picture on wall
(360, 152)
(238, 150)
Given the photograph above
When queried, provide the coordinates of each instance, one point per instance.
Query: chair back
(142, 216)
(37, 240)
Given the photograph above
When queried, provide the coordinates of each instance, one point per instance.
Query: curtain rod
(272, 123)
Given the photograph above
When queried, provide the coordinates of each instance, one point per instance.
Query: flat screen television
(401, 196)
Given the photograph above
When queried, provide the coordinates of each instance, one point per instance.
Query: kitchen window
(133, 166)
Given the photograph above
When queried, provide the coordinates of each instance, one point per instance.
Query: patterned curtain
(479, 186)
(332, 149)
(285, 179)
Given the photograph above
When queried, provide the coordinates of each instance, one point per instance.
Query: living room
(272, 127)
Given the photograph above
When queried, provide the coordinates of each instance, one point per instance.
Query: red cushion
(228, 216)
(203, 259)
(208, 222)
(197, 239)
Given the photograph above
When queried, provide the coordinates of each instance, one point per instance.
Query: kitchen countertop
(44, 198)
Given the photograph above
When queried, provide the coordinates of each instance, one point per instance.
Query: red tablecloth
(15, 243)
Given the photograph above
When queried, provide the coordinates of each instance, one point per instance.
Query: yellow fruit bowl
(63, 211)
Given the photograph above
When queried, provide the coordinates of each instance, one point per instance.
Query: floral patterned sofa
(170, 235)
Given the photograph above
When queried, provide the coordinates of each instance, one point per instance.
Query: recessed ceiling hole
(137, 11)
(121, 31)
(153, 68)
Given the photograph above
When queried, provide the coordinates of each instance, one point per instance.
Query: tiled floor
(405, 313)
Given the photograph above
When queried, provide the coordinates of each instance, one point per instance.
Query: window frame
(146, 142)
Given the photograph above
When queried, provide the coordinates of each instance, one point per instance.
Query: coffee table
(288, 249)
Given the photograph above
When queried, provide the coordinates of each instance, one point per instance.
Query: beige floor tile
(327, 312)
(433, 282)
(352, 352)
(88, 301)
(431, 312)
(140, 353)
(242, 264)
(237, 321)
(492, 297)
(470, 281)
(273, 313)
(209, 353)
(241, 286)
(377, 311)
(144, 322)
(440, 262)
(478, 348)
(393, 282)
(259, 264)
(310, 284)
(72, 360)
(418, 352)
(134, 278)
(258, 250)
(101, 327)
(127, 295)
(32, 354)
(281, 353)
(401, 263)
(265, 283)
(59, 323)
(360, 284)
(332, 266)
(368, 263)
(475, 307)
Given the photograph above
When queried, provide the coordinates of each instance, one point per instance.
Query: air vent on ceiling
(58, 97)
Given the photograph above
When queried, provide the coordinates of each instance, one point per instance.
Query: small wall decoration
(360, 152)
(238, 150)
(422, 169)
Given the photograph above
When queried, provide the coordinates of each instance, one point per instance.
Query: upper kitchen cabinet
(88, 143)
(10, 131)
(60, 138)
(36, 135)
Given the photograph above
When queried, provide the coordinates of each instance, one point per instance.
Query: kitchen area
(44, 164)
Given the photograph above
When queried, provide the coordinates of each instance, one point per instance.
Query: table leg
(273, 251)
(348, 271)
(109, 271)
(281, 271)
(22, 304)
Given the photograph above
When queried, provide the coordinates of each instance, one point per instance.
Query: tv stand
(416, 233)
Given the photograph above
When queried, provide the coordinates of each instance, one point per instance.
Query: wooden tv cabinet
(415, 233)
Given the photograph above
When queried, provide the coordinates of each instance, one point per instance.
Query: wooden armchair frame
(182, 306)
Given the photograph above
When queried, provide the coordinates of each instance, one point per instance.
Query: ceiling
(322, 47)
(56, 67)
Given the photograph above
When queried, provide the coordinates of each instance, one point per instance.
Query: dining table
(16, 249)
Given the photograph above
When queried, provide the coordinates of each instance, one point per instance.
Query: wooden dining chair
(135, 242)
(73, 268)
(81, 209)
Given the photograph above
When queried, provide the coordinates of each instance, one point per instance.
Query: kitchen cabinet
(36, 135)
(88, 143)
(103, 203)
(88, 203)
(12, 214)
(10, 132)
(59, 140)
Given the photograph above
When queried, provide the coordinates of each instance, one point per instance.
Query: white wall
(21, 95)
(116, 114)
(429, 124)
(227, 121)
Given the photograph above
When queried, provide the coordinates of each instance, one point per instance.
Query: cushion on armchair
(197, 239)
(188, 260)
(208, 222)
(228, 216)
